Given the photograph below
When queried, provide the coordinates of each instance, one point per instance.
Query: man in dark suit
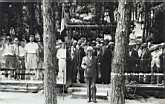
(79, 54)
(89, 64)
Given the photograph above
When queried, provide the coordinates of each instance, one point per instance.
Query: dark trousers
(73, 73)
(91, 89)
(154, 69)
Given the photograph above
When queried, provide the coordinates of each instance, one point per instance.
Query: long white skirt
(61, 78)
(31, 61)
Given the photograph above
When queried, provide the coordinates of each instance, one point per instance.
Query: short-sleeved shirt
(156, 54)
(8, 50)
(31, 47)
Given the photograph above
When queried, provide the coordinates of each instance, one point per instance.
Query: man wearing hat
(89, 64)
(145, 61)
(155, 61)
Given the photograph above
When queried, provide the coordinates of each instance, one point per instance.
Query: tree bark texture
(119, 63)
(49, 39)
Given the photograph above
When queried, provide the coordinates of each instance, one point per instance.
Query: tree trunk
(119, 63)
(49, 53)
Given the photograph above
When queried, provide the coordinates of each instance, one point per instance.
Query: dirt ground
(38, 98)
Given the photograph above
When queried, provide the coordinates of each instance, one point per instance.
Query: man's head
(16, 40)
(89, 51)
(22, 43)
(8, 39)
(74, 43)
(31, 38)
(37, 37)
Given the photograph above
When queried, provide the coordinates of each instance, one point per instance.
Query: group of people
(18, 55)
(91, 62)
(102, 50)
(23, 59)
(22, 54)
(87, 60)
(148, 59)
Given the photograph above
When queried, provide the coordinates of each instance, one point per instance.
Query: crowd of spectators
(26, 57)
(18, 55)
(102, 49)
(147, 59)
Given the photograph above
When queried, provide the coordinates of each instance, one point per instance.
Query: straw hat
(111, 43)
(59, 42)
(89, 48)
(74, 42)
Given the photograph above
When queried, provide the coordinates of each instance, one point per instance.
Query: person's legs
(140, 70)
(22, 74)
(152, 71)
(148, 67)
(27, 76)
(93, 90)
(163, 75)
(78, 77)
(157, 77)
(74, 73)
(37, 71)
(89, 89)
(158, 70)
(23, 68)
(81, 73)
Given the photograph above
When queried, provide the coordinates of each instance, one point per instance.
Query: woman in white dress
(9, 57)
(61, 56)
(31, 57)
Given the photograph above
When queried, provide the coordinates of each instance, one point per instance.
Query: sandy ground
(34, 98)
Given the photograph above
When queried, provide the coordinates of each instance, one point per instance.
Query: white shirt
(140, 52)
(21, 51)
(155, 54)
(31, 47)
(8, 50)
(61, 53)
(73, 49)
(16, 49)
